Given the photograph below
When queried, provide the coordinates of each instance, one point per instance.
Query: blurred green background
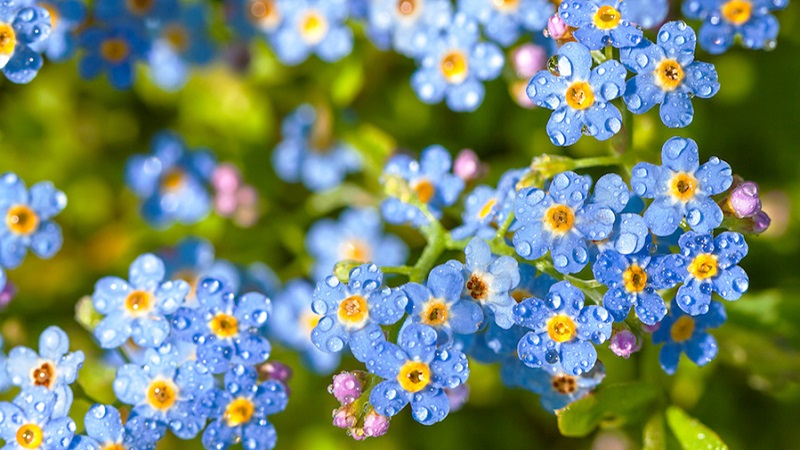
(79, 134)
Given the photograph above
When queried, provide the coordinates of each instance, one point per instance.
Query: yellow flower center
(173, 180)
(737, 12)
(669, 74)
(44, 375)
(313, 27)
(561, 328)
(30, 436)
(607, 17)
(682, 329)
(434, 313)
(414, 376)
(162, 394)
(21, 220)
(564, 384)
(683, 186)
(224, 326)
(425, 190)
(477, 288)
(355, 250)
(113, 447)
(177, 36)
(239, 411)
(8, 39)
(139, 7)
(634, 278)
(139, 303)
(704, 266)
(353, 310)
(487, 208)
(454, 67)
(114, 50)
(407, 7)
(265, 13)
(579, 95)
(559, 219)
(505, 5)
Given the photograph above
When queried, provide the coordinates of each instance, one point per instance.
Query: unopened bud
(744, 200)
(557, 28)
(343, 418)
(528, 59)
(458, 397)
(346, 387)
(375, 425)
(624, 343)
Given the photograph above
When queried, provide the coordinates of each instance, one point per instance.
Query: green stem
(585, 163)
(609, 53)
(402, 270)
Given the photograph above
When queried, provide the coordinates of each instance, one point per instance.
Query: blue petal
(151, 331)
(465, 97)
(569, 188)
(592, 37)
(47, 240)
(569, 253)
(272, 397)
(576, 13)
(114, 330)
(429, 85)
(251, 348)
(387, 307)
(716, 38)
(258, 434)
(385, 360)
(625, 34)
(530, 205)
(329, 335)
(759, 30)
(487, 61)
(171, 295)
(594, 323)
(564, 126)
(46, 200)
(669, 356)
(730, 248)
(53, 343)
(418, 341)
(731, 283)
(678, 41)
(429, 405)
(595, 222)
(702, 79)
(547, 90)
(365, 279)
(608, 268)
(714, 318)
(328, 294)
(31, 24)
(219, 435)
(131, 384)
(21, 361)
(450, 368)
(663, 217)
(618, 303)
(216, 355)
(695, 296)
(465, 316)
(677, 110)
(642, 59)
(23, 65)
(363, 341)
(564, 298)
(478, 255)
(631, 235)
(57, 432)
(641, 94)
(578, 357)
(603, 120)
(646, 14)
(388, 398)
(532, 349)
(104, 423)
(612, 192)
(667, 271)
(715, 176)
(445, 282)
(146, 272)
(16, 418)
(574, 62)
(703, 214)
(650, 308)
(253, 309)
(532, 313)
(648, 180)
(336, 45)
(701, 348)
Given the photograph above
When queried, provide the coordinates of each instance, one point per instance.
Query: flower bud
(343, 418)
(467, 165)
(274, 370)
(458, 397)
(528, 59)
(761, 222)
(346, 387)
(557, 28)
(375, 425)
(744, 200)
(623, 343)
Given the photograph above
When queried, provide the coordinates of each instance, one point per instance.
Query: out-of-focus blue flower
(481, 209)
(429, 180)
(313, 26)
(600, 23)
(114, 50)
(454, 66)
(531, 285)
(53, 367)
(492, 343)
(226, 329)
(505, 21)
(23, 27)
(192, 259)
(29, 422)
(563, 330)
(579, 97)
(560, 221)
(556, 386)
(353, 312)
(104, 430)
(647, 14)
(248, 18)
(172, 181)
(162, 390)
(240, 411)
(314, 160)
(5, 378)
(408, 24)
(682, 333)
(724, 20)
(629, 233)
(416, 372)
(26, 215)
(668, 74)
(681, 188)
(65, 17)
(357, 236)
(139, 13)
(137, 308)
(292, 322)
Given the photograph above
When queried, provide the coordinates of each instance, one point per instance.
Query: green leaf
(692, 434)
(348, 84)
(613, 405)
(654, 438)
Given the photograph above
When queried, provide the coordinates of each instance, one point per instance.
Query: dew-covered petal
(594, 324)
(694, 296)
(130, 385)
(618, 303)
(146, 272)
(114, 330)
(565, 126)
(701, 348)
(578, 357)
(669, 356)
(731, 248)
(569, 253)
(647, 180)
(731, 283)
(715, 176)
(429, 405)
(388, 398)
(677, 110)
(678, 41)
(663, 217)
(641, 94)
(650, 308)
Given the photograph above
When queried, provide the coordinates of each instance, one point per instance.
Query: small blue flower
(489, 280)
(226, 329)
(304, 157)
(493, 344)
(249, 18)
(114, 50)
(26, 215)
(629, 233)
(23, 28)
(66, 16)
(313, 26)
(530, 284)
(563, 330)
(161, 390)
(429, 180)
(408, 25)
(600, 23)
(481, 209)
(556, 386)
(192, 259)
(682, 333)
(28, 422)
(137, 308)
(681, 188)
(104, 430)
(579, 97)
(138, 13)
(668, 74)
(240, 411)
(352, 312)
(172, 181)
(416, 372)
(648, 14)
(504, 21)
(292, 322)
(53, 367)
(725, 20)
(455, 64)
(357, 236)
(560, 221)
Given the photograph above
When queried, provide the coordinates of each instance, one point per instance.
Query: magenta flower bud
(274, 370)
(226, 178)
(556, 27)
(458, 397)
(528, 59)
(467, 166)
(357, 434)
(761, 222)
(225, 203)
(744, 200)
(623, 343)
(343, 418)
(346, 387)
(375, 425)
(7, 294)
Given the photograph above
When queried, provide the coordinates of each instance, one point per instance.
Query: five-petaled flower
(682, 333)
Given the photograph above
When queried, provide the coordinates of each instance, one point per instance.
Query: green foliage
(692, 434)
(612, 405)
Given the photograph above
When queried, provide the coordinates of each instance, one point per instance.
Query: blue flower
(313, 26)
(531, 285)
(352, 312)
(440, 304)
(560, 221)
(5, 378)
(454, 65)
(248, 18)
(724, 20)
(629, 233)
(22, 28)
(226, 329)
(416, 372)
(556, 386)
(53, 367)
(481, 209)
(104, 430)
(428, 180)
(241, 409)
(357, 236)
(161, 390)
(600, 23)
(562, 330)
(681, 188)
(65, 17)
(488, 280)
(114, 50)
(137, 309)
(29, 422)
(579, 96)
(172, 181)
(408, 25)
(292, 322)
(27, 223)
(305, 157)
(138, 13)
(492, 344)
(682, 333)
(668, 74)
(645, 13)
(504, 22)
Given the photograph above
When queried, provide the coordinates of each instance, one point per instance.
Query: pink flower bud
(528, 59)
(467, 166)
(375, 425)
(623, 343)
(343, 418)
(226, 178)
(346, 387)
(744, 200)
(556, 27)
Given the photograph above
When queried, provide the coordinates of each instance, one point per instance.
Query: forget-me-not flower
(600, 22)
(682, 333)
(724, 20)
